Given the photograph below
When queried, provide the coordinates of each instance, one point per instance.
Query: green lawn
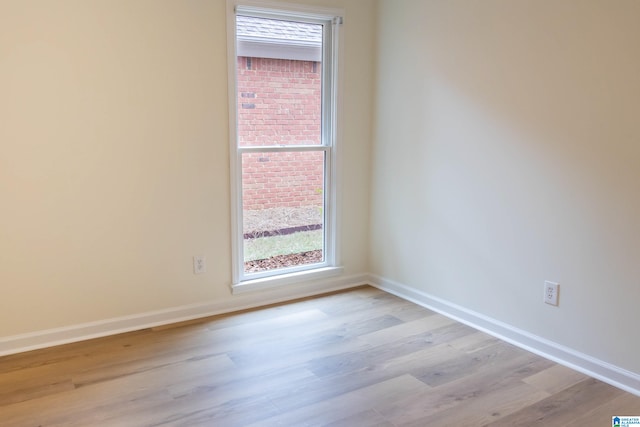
(266, 247)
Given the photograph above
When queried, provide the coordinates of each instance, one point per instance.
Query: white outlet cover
(199, 264)
(551, 291)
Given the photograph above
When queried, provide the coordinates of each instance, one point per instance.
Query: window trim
(329, 144)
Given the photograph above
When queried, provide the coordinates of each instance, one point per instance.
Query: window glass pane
(279, 78)
(283, 209)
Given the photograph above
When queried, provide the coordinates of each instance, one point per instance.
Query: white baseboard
(606, 372)
(52, 337)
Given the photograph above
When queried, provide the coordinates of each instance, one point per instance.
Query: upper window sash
(325, 69)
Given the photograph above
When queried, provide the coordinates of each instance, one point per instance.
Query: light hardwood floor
(357, 358)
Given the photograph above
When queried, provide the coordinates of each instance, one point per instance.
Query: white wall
(114, 156)
(506, 153)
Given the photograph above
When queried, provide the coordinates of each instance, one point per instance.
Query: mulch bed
(283, 261)
(282, 231)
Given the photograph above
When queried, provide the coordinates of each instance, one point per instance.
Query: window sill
(285, 279)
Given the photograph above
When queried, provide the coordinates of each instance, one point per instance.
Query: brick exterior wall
(279, 103)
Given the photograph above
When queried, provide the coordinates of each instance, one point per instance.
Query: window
(283, 143)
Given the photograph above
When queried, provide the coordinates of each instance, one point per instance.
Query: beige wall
(506, 153)
(114, 156)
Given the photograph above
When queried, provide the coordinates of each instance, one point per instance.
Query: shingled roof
(249, 27)
(278, 39)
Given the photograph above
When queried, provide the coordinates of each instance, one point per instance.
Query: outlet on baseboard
(551, 292)
(199, 264)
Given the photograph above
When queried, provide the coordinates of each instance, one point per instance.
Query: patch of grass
(266, 247)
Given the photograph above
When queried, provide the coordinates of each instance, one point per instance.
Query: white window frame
(332, 18)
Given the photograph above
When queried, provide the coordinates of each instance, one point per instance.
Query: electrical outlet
(551, 291)
(199, 264)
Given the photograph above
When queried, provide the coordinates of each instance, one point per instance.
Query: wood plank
(368, 418)
(463, 391)
(601, 414)
(555, 379)
(484, 408)
(398, 346)
(561, 408)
